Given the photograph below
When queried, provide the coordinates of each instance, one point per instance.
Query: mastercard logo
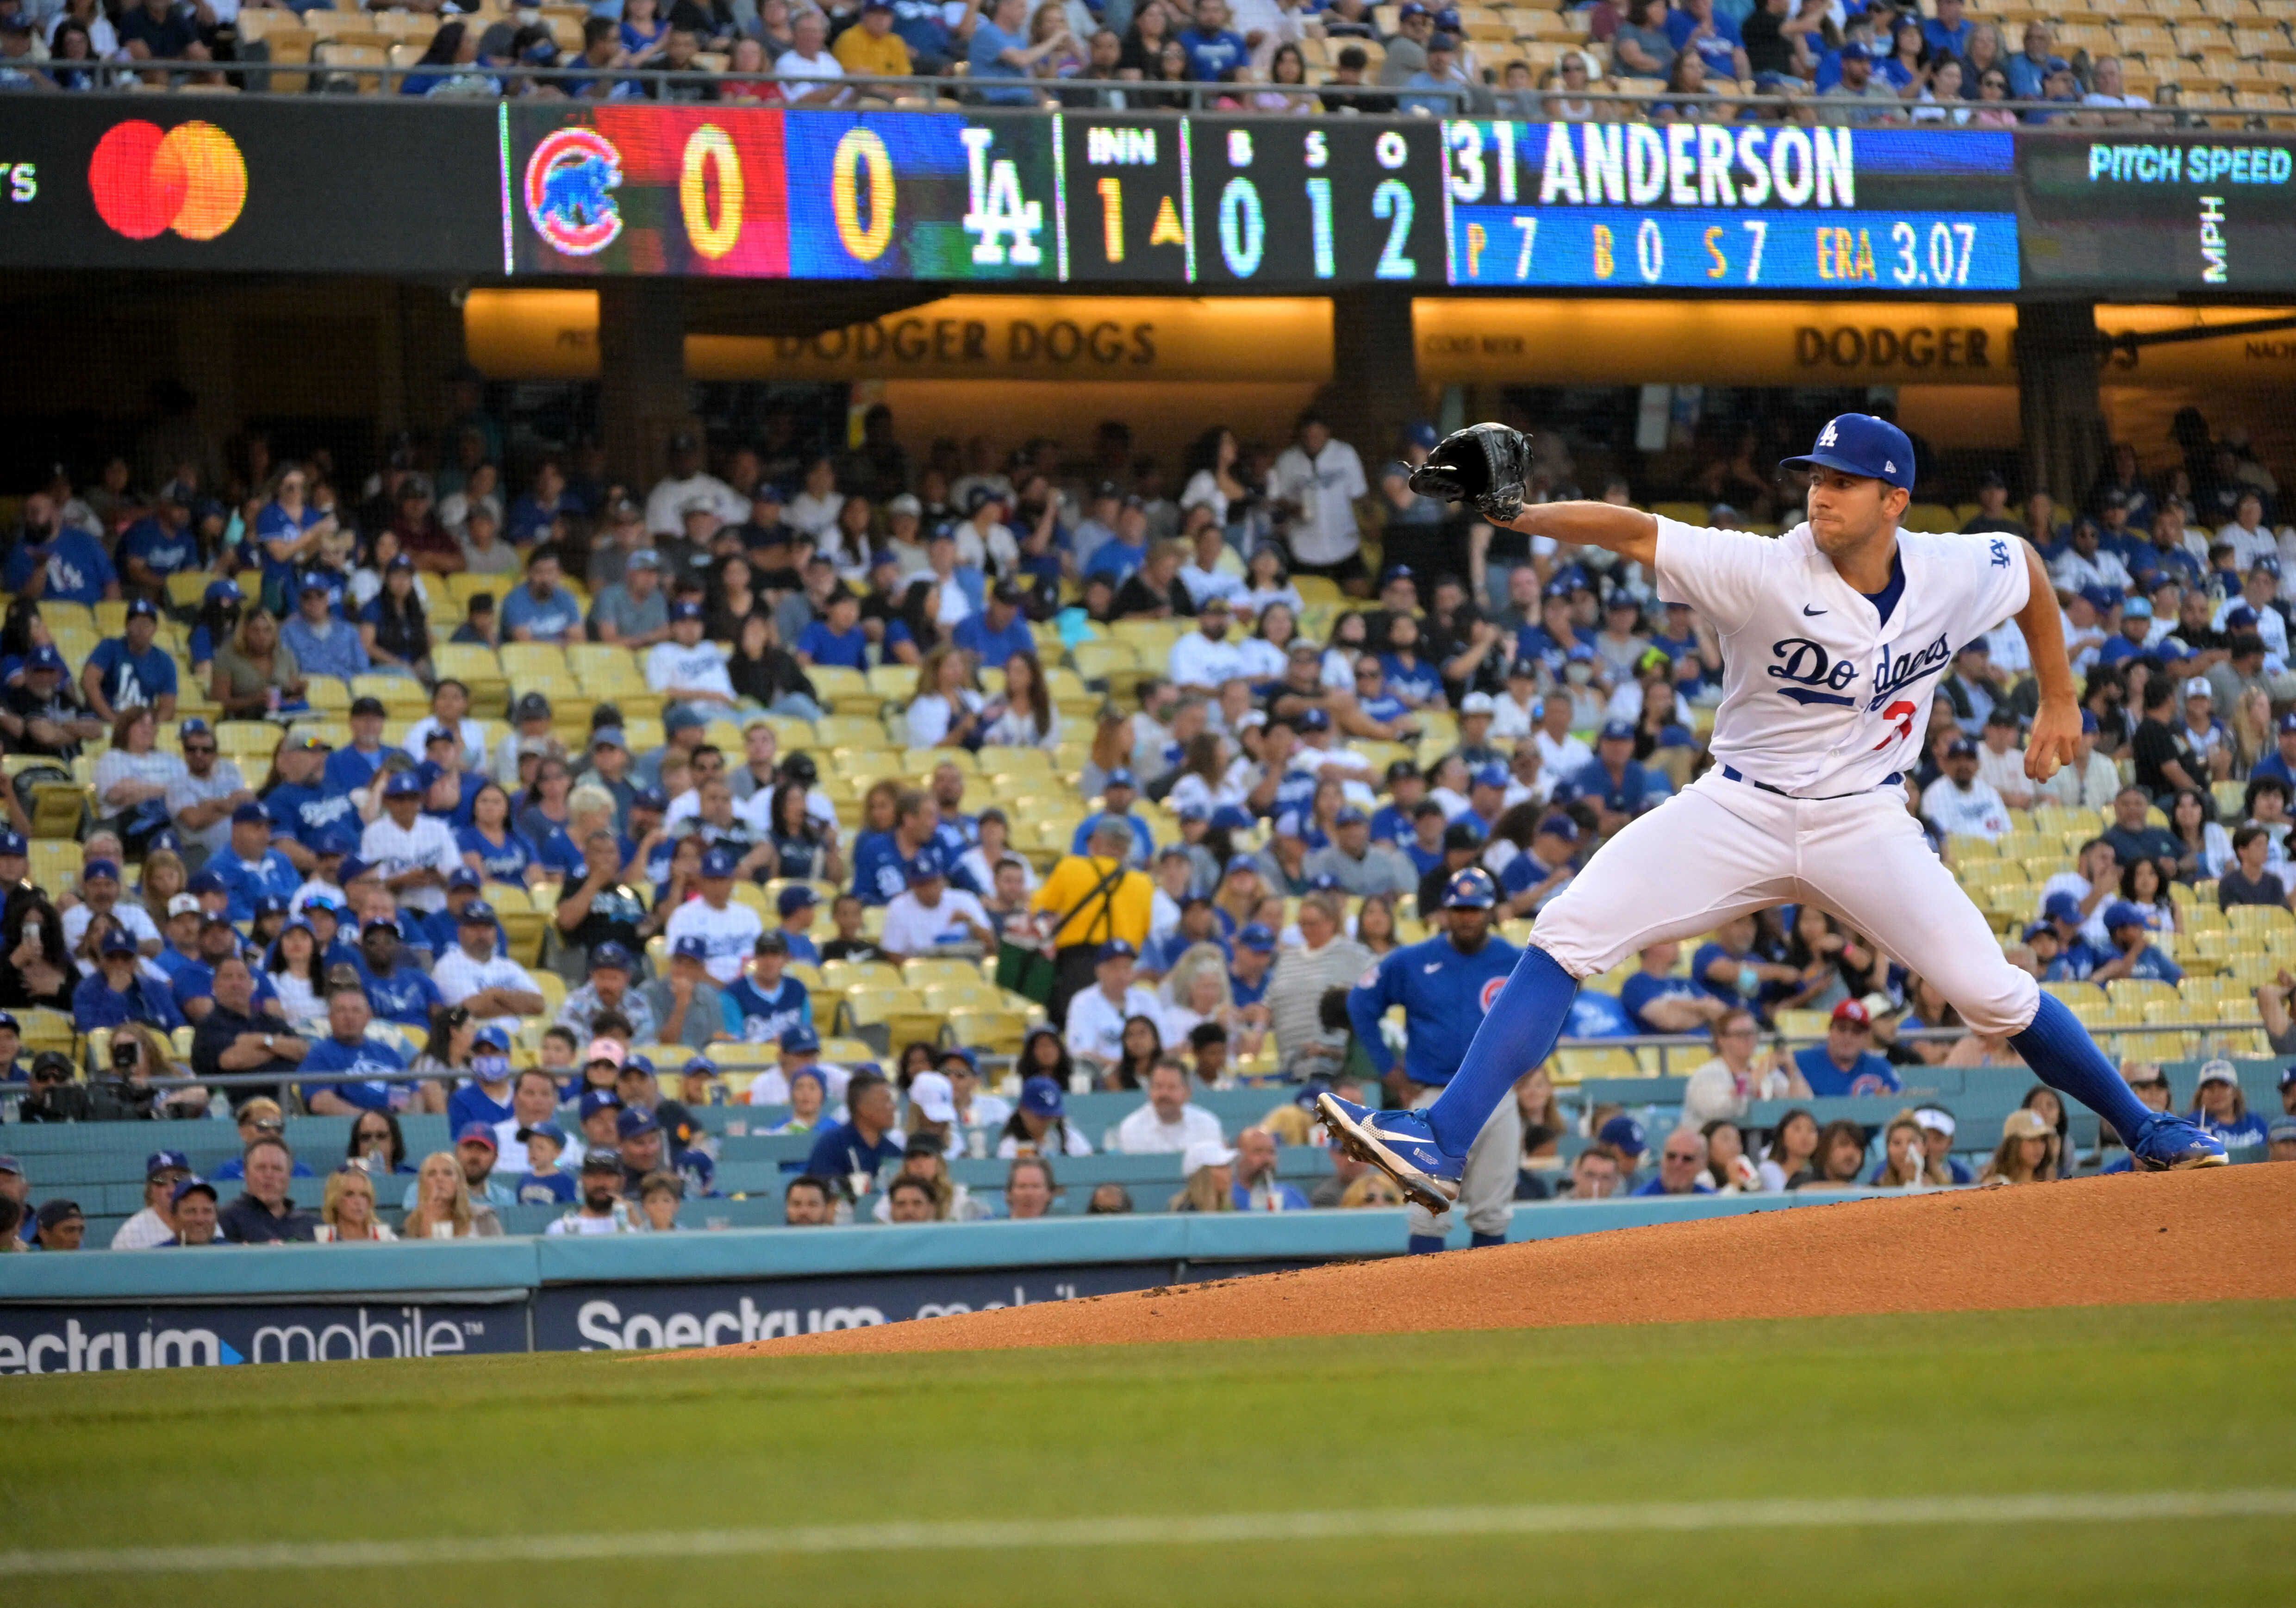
(189, 178)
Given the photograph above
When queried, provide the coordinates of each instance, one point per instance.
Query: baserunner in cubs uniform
(1443, 985)
(1834, 636)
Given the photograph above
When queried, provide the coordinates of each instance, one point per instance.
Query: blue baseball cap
(477, 1133)
(2101, 598)
(403, 784)
(1239, 862)
(463, 877)
(1041, 1097)
(45, 658)
(1616, 731)
(2287, 724)
(1622, 1133)
(2136, 608)
(194, 1185)
(650, 798)
(1256, 937)
(166, 1160)
(547, 1130)
(1313, 720)
(679, 717)
(686, 609)
(491, 1038)
(270, 903)
(2061, 907)
(223, 591)
(1854, 52)
(799, 1040)
(477, 913)
(1559, 825)
(246, 814)
(94, 869)
(1421, 433)
(1289, 826)
(119, 940)
(2088, 722)
(1471, 888)
(349, 871)
(207, 882)
(2034, 930)
(597, 1100)
(340, 839)
(635, 1122)
(927, 866)
(1861, 444)
(1491, 776)
(13, 843)
(1119, 778)
(794, 899)
(691, 947)
(2120, 912)
(718, 862)
(141, 609)
(2240, 617)
(614, 955)
(1115, 948)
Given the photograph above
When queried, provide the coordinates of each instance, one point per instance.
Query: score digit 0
(712, 237)
(862, 153)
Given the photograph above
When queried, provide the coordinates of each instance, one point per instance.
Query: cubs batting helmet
(1470, 890)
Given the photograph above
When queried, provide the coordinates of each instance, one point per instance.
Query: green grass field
(1977, 1405)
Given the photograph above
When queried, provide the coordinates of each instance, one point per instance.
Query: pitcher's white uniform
(1825, 703)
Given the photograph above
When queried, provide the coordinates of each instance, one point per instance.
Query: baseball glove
(1484, 466)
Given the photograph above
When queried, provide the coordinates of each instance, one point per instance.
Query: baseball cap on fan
(1860, 444)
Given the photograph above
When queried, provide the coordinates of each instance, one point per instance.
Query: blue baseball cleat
(1401, 1146)
(2169, 1143)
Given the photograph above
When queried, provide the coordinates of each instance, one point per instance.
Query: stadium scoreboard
(1153, 200)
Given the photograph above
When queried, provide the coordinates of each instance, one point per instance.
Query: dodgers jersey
(1444, 995)
(1821, 695)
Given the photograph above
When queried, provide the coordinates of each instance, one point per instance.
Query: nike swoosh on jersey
(1808, 610)
(1432, 967)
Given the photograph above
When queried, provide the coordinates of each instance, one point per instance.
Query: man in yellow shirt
(1095, 896)
(870, 48)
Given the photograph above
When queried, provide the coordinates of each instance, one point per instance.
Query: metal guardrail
(959, 94)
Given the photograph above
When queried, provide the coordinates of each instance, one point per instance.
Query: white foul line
(1178, 1530)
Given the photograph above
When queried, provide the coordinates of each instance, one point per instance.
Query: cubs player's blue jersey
(1443, 993)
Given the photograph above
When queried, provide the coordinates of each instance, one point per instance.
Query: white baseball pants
(1722, 849)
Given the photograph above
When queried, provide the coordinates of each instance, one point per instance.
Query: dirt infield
(2223, 1234)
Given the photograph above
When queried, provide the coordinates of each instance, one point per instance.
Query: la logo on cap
(1828, 436)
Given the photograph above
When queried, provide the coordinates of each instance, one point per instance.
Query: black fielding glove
(1486, 466)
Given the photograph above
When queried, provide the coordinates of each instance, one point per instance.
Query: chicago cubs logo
(569, 181)
(1491, 986)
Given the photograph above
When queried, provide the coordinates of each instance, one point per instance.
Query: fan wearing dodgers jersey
(728, 932)
(1834, 637)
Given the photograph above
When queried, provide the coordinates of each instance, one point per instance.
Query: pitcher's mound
(2227, 1234)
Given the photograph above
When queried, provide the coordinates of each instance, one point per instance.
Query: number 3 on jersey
(1899, 714)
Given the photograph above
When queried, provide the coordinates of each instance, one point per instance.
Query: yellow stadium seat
(999, 1031)
(843, 976)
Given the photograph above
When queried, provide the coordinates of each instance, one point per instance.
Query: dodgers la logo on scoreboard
(569, 184)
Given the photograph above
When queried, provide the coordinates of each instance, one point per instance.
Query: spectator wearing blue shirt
(1000, 49)
(1116, 796)
(159, 545)
(1254, 957)
(1432, 91)
(1128, 551)
(128, 670)
(992, 637)
(1947, 32)
(2280, 765)
(288, 532)
(1681, 1166)
(1699, 26)
(250, 867)
(2133, 953)
(56, 561)
(1215, 51)
(836, 639)
(2219, 1107)
(354, 764)
(924, 27)
(2029, 70)
(119, 993)
(1657, 1001)
(868, 1140)
(347, 1049)
(323, 643)
(543, 609)
(1846, 1063)
(1254, 1186)
(1619, 784)
(394, 991)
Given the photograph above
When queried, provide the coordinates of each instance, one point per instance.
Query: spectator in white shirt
(1204, 658)
(2001, 762)
(450, 711)
(1212, 570)
(808, 57)
(414, 853)
(687, 484)
(1957, 802)
(1321, 478)
(727, 931)
(1093, 1032)
(932, 916)
(493, 988)
(1170, 1122)
(2085, 564)
(687, 670)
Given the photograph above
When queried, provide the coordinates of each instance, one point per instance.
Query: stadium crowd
(317, 801)
(1832, 61)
